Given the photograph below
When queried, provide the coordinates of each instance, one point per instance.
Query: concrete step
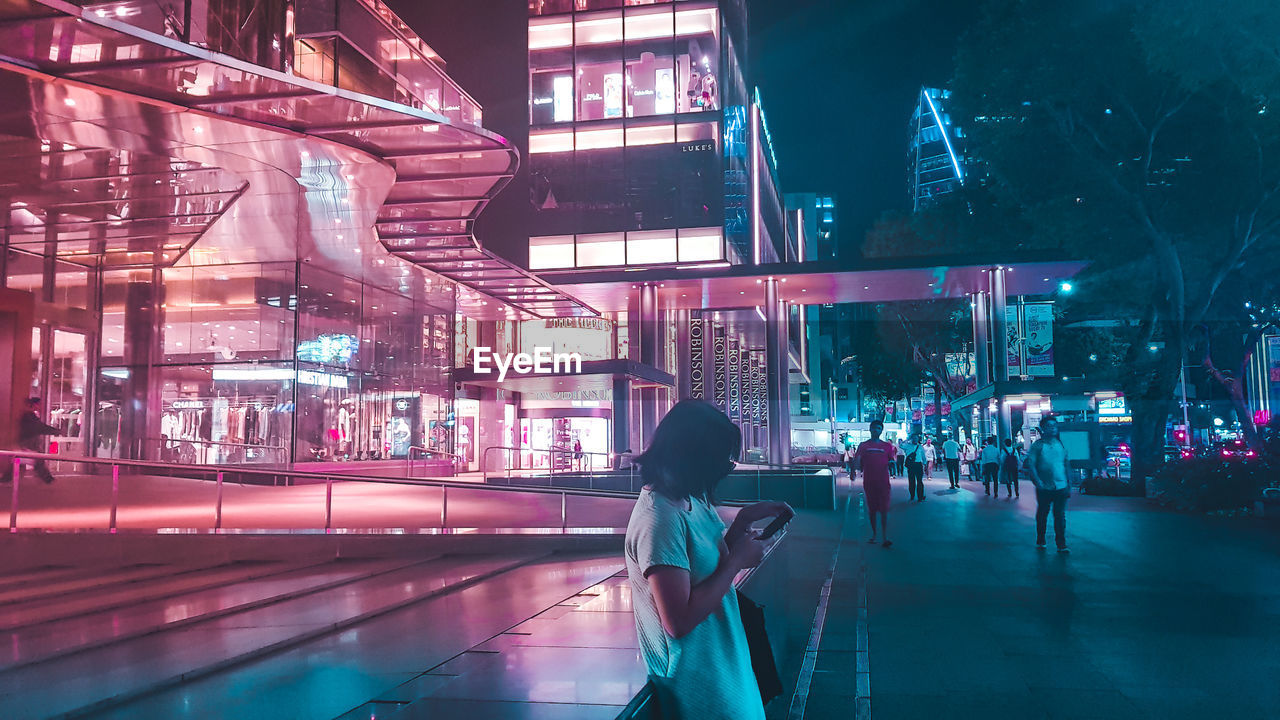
(104, 677)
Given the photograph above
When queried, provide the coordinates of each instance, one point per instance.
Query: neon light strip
(755, 183)
(800, 234)
(945, 139)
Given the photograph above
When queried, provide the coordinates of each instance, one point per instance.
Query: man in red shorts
(874, 457)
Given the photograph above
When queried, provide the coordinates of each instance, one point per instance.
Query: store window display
(601, 66)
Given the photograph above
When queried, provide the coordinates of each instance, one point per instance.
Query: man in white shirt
(951, 453)
(1047, 465)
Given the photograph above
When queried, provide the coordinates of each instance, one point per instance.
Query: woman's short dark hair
(691, 451)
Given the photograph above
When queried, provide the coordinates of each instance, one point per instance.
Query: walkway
(1152, 615)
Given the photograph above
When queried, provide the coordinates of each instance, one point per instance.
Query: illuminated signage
(735, 389)
(188, 405)
(760, 389)
(562, 91)
(718, 386)
(1112, 406)
(333, 349)
(542, 361)
(697, 376)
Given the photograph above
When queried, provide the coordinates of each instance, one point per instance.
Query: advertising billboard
(1037, 339)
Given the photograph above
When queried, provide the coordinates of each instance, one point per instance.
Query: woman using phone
(681, 562)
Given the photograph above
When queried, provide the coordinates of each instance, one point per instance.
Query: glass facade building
(244, 230)
(641, 136)
(936, 159)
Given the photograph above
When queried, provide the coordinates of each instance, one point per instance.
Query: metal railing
(760, 470)
(172, 447)
(456, 461)
(218, 475)
(584, 457)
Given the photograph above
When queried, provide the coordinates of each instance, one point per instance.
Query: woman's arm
(681, 607)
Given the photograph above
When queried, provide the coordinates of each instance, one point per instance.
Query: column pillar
(776, 374)
(999, 327)
(1000, 349)
(140, 409)
(649, 352)
(981, 350)
(622, 420)
(684, 381)
(649, 327)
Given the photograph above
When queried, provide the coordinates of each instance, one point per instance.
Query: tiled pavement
(1152, 615)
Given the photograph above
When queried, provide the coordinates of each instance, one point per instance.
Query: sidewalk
(1152, 615)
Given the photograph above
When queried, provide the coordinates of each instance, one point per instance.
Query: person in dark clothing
(31, 432)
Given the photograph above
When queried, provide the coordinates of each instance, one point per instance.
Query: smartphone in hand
(772, 528)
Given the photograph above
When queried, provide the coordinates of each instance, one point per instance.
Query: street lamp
(1066, 287)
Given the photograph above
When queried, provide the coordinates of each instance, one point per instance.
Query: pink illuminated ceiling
(808, 284)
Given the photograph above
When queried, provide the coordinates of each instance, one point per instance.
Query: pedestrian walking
(989, 459)
(848, 460)
(901, 461)
(930, 457)
(681, 563)
(1010, 466)
(969, 454)
(1047, 464)
(951, 455)
(31, 432)
(874, 457)
(913, 451)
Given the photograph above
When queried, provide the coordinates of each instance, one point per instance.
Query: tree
(1228, 346)
(904, 344)
(1141, 136)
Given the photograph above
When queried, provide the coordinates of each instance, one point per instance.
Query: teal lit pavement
(1152, 615)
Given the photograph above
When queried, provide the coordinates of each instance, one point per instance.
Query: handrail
(280, 452)
(16, 456)
(216, 442)
(551, 465)
(456, 459)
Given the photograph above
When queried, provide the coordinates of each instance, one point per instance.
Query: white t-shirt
(990, 455)
(1049, 458)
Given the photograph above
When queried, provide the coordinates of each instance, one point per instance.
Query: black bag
(661, 705)
(762, 662)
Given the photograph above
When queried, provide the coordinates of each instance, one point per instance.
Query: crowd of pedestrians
(997, 463)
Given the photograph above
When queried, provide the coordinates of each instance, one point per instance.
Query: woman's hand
(754, 513)
(747, 552)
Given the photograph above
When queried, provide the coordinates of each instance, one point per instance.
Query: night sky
(838, 80)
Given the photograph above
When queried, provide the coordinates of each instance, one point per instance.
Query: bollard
(564, 512)
(115, 495)
(217, 511)
(13, 506)
(444, 506)
(328, 504)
